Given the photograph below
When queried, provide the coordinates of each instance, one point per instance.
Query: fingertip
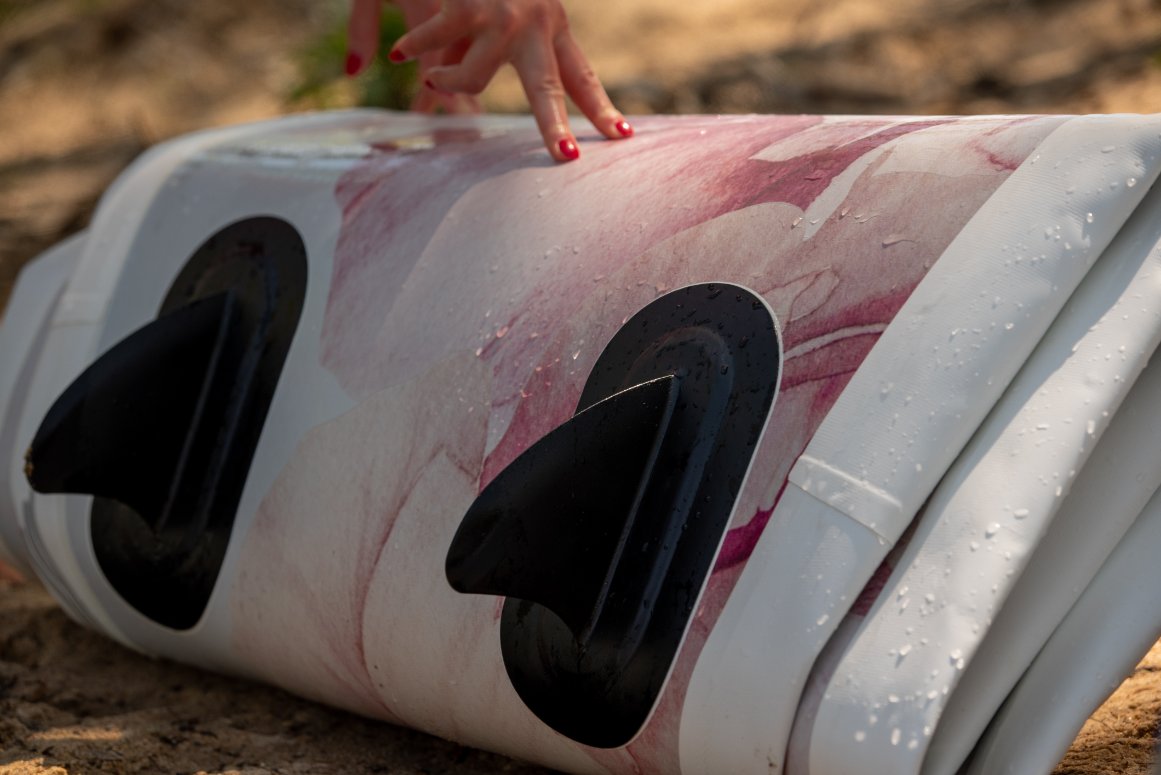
(568, 149)
(614, 127)
(433, 86)
(353, 65)
(362, 35)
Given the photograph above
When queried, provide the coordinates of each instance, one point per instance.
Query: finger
(476, 69)
(468, 103)
(455, 53)
(582, 84)
(459, 104)
(416, 12)
(428, 99)
(449, 55)
(440, 31)
(425, 101)
(362, 34)
(536, 65)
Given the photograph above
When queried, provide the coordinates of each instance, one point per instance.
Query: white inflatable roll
(982, 525)
(754, 444)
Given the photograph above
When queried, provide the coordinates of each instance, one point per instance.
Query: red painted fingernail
(397, 56)
(429, 84)
(569, 150)
(624, 127)
(354, 64)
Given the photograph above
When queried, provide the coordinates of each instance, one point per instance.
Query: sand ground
(85, 85)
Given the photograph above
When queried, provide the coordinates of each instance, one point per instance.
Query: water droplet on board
(992, 529)
(896, 735)
(1131, 182)
(1020, 513)
(822, 620)
(1088, 218)
(860, 736)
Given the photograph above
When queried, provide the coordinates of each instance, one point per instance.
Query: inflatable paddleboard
(755, 444)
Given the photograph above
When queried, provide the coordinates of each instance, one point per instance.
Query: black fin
(564, 508)
(161, 429)
(602, 535)
(121, 428)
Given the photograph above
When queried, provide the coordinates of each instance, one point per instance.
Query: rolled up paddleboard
(804, 444)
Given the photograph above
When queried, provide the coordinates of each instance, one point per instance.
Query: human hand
(474, 38)
(363, 44)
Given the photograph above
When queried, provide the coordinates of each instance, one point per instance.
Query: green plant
(381, 84)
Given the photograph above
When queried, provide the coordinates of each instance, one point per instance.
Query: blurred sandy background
(85, 85)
